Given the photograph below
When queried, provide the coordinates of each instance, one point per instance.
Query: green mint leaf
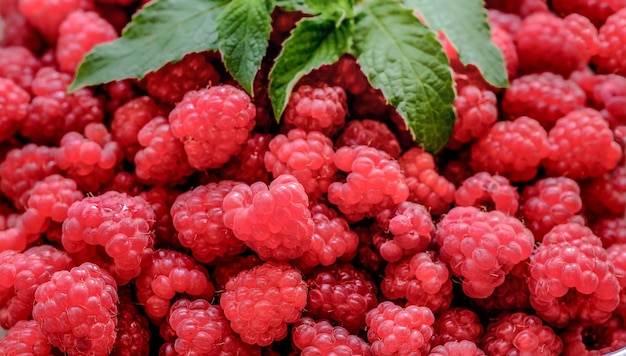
(402, 57)
(335, 9)
(243, 30)
(294, 5)
(468, 30)
(163, 31)
(314, 42)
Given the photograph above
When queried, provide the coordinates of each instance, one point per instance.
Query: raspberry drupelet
(482, 247)
(489, 191)
(511, 296)
(261, 302)
(213, 124)
(476, 111)
(19, 64)
(317, 108)
(77, 310)
(520, 333)
(322, 338)
(13, 107)
(370, 133)
(457, 324)
(25, 338)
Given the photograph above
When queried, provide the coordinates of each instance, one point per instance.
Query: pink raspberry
(231, 266)
(322, 338)
(374, 182)
(606, 195)
(426, 186)
(482, 247)
(595, 339)
(612, 58)
(513, 149)
(476, 111)
(170, 83)
(370, 133)
(394, 330)
(13, 107)
(17, 30)
(550, 202)
(589, 133)
(610, 230)
(273, 220)
(422, 280)
(77, 310)
(457, 348)
(119, 92)
(116, 225)
(306, 156)
(553, 97)
(19, 64)
(617, 256)
(248, 166)
(261, 302)
(341, 293)
(47, 16)
(457, 324)
(25, 338)
(571, 279)
(596, 11)
(520, 333)
(161, 200)
(319, 108)
(492, 192)
(133, 333)
(511, 296)
(506, 21)
(523, 8)
(213, 124)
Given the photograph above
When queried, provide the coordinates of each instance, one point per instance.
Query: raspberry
(25, 338)
(133, 333)
(259, 303)
(89, 159)
(606, 195)
(332, 239)
(223, 272)
(523, 8)
(510, 296)
(22, 274)
(457, 324)
(124, 182)
(306, 156)
(78, 34)
(117, 225)
(550, 202)
(595, 339)
(506, 43)
(422, 280)
(617, 256)
(369, 133)
(273, 220)
(47, 16)
(213, 124)
(342, 294)
(320, 108)
(457, 348)
(426, 186)
(571, 279)
(160, 200)
(587, 132)
(484, 190)
(506, 21)
(520, 333)
(162, 159)
(482, 247)
(170, 83)
(554, 97)
(394, 330)
(77, 310)
(18, 64)
(404, 230)
(347, 74)
(13, 107)
(596, 11)
(16, 30)
(248, 166)
(476, 111)
(374, 182)
(612, 58)
(610, 230)
(322, 338)
(513, 149)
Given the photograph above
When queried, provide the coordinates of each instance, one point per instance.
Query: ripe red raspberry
(610, 230)
(476, 111)
(596, 11)
(492, 192)
(550, 202)
(612, 58)
(617, 256)
(374, 182)
(213, 124)
(506, 21)
(78, 34)
(589, 133)
(124, 182)
(162, 159)
(77, 310)
(170, 83)
(595, 339)
(511, 296)
(457, 324)
(231, 266)
(513, 149)
(341, 293)
(370, 133)
(394, 330)
(13, 108)
(553, 97)
(422, 280)
(522, 8)
(322, 338)
(117, 225)
(19, 64)
(319, 108)
(571, 279)
(248, 166)
(274, 221)
(170, 273)
(457, 348)
(332, 239)
(16, 30)
(482, 247)
(306, 156)
(520, 333)
(119, 92)
(259, 303)
(160, 200)
(133, 332)
(25, 338)
(347, 74)
(606, 195)
(47, 16)
(426, 186)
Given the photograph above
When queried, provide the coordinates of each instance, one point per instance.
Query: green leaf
(403, 58)
(314, 42)
(243, 30)
(163, 31)
(335, 9)
(468, 30)
(294, 5)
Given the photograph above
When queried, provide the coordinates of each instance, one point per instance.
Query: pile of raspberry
(172, 215)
